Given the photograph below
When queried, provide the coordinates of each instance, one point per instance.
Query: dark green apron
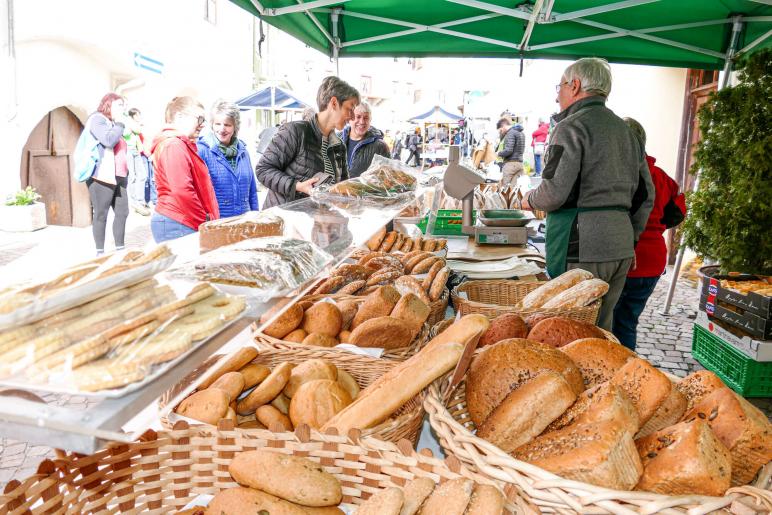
(558, 234)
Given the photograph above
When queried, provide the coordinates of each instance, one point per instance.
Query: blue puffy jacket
(235, 188)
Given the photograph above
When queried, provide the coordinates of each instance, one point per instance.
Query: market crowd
(607, 203)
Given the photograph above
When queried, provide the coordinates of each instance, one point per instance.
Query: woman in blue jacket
(228, 161)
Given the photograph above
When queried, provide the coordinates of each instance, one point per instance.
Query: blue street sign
(148, 63)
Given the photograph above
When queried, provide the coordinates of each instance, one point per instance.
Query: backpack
(86, 155)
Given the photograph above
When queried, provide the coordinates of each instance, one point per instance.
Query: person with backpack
(413, 144)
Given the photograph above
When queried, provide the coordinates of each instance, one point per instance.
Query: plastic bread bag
(494, 200)
(356, 194)
(390, 174)
(270, 267)
(118, 339)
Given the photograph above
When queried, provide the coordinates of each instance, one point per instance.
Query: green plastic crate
(444, 225)
(743, 374)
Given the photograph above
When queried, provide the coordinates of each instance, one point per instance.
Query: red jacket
(185, 192)
(651, 251)
(540, 134)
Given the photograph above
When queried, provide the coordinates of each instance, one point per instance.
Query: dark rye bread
(698, 385)
(602, 454)
(598, 359)
(500, 368)
(684, 459)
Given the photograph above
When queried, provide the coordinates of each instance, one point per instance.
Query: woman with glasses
(186, 198)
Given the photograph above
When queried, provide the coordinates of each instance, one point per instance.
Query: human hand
(634, 264)
(306, 186)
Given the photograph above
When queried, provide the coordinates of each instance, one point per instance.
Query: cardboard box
(759, 350)
(751, 302)
(754, 325)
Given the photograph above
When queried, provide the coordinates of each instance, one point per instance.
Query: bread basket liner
(162, 472)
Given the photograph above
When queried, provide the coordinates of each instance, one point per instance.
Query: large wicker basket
(404, 425)
(498, 296)
(263, 341)
(455, 430)
(163, 472)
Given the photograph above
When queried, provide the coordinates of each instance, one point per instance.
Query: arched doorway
(47, 164)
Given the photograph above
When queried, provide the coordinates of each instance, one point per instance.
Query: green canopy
(681, 33)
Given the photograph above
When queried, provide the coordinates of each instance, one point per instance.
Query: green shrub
(23, 197)
(730, 218)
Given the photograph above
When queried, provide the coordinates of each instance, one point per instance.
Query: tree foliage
(730, 214)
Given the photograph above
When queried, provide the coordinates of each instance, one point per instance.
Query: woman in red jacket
(186, 197)
(650, 252)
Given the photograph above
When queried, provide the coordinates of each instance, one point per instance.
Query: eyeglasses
(558, 86)
(200, 119)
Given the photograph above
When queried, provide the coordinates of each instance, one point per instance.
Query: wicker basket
(454, 428)
(263, 341)
(497, 297)
(405, 425)
(163, 472)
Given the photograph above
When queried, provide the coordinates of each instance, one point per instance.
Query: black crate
(752, 324)
(751, 302)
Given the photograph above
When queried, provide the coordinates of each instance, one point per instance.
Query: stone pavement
(665, 341)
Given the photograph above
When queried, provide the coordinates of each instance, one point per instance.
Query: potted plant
(730, 213)
(22, 212)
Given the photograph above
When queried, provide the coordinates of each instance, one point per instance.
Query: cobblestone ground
(664, 340)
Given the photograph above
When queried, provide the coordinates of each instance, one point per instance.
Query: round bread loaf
(320, 340)
(309, 371)
(559, 331)
(382, 332)
(504, 366)
(504, 327)
(316, 402)
(598, 359)
(297, 336)
(323, 318)
(286, 322)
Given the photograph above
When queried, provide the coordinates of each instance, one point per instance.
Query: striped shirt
(326, 158)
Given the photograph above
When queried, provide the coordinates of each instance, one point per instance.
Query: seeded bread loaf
(646, 386)
(504, 366)
(601, 454)
(527, 410)
(545, 292)
(503, 327)
(382, 332)
(698, 385)
(413, 311)
(379, 303)
(597, 358)
(668, 413)
(684, 459)
(449, 498)
(602, 403)
(742, 427)
(560, 331)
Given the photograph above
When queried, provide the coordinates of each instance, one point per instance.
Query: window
(210, 11)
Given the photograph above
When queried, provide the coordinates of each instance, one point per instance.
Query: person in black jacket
(306, 153)
(397, 152)
(413, 144)
(362, 141)
(512, 153)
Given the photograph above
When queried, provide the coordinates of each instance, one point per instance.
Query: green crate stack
(444, 225)
(746, 376)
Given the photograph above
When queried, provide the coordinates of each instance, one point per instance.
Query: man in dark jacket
(362, 141)
(596, 187)
(306, 153)
(512, 153)
(413, 144)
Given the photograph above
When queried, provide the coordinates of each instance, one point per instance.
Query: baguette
(397, 386)
(486, 500)
(545, 292)
(449, 498)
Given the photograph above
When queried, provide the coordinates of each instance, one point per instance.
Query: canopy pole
(737, 30)
(335, 39)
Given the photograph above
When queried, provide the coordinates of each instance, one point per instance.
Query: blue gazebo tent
(272, 98)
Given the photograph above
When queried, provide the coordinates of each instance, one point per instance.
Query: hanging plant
(730, 213)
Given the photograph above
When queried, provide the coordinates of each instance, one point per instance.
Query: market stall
(437, 125)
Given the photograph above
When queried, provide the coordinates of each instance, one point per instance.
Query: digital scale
(494, 226)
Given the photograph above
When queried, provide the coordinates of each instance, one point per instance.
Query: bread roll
(741, 427)
(208, 406)
(231, 383)
(545, 292)
(348, 383)
(298, 480)
(323, 318)
(253, 374)
(499, 368)
(598, 359)
(308, 371)
(267, 390)
(379, 303)
(296, 336)
(698, 385)
(281, 403)
(413, 311)
(231, 415)
(382, 332)
(271, 417)
(560, 331)
(526, 411)
(375, 241)
(348, 310)
(486, 500)
(668, 413)
(247, 501)
(408, 284)
(603, 403)
(646, 386)
(317, 401)
(684, 459)
(344, 336)
(384, 502)
(320, 340)
(416, 492)
(450, 498)
(285, 323)
(397, 386)
(504, 327)
(602, 454)
(232, 363)
(579, 295)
